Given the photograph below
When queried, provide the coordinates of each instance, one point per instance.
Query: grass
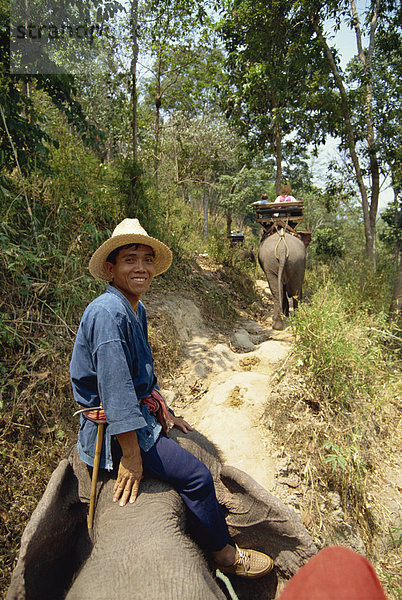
(337, 408)
(340, 351)
(343, 452)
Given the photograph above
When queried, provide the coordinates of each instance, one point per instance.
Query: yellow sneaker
(249, 563)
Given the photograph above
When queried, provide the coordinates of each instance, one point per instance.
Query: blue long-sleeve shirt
(112, 365)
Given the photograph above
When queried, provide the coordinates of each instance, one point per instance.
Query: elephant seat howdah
(273, 212)
(148, 550)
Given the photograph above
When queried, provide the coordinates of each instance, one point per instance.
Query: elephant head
(282, 256)
(247, 255)
(148, 549)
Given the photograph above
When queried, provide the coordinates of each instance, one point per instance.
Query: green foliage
(237, 191)
(238, 272)
(387, 69)
(391, 230)
(362, 288)
(25, 126)
(340, 347)
(105, 103)
(196, 153)
(346, 458)
(132, 188)
(218, 247)
(192, 76)
(276, 75)
(328, 243)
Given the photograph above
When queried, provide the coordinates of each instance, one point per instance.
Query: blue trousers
(192, 480)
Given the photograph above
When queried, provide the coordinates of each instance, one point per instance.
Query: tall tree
(362, 143)
(387, 95)
(169, 32)
(133, 71)
(276, 73)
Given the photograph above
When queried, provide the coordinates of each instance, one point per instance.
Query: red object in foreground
(335, 573)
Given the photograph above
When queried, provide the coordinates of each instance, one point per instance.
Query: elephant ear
(258, 520)
(55, 541)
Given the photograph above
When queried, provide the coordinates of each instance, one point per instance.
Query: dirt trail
(223, 386)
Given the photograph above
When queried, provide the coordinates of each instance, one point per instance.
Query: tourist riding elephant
(148, 549)
(282, 257)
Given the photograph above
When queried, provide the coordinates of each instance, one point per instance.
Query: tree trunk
(398, 227)
(229, 210)
(228, 223)
(26, 83)
(157, 122)
(369, 212)
(366, 60)
(134, 60)
(275, 141)
(134, 99)
(205, 209)
(278, 157)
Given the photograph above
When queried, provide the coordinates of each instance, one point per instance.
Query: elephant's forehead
(156, 503)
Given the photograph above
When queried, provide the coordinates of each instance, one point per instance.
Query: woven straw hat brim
(163, 254)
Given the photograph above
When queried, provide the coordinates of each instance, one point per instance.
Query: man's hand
(130, 469)
(181, 424)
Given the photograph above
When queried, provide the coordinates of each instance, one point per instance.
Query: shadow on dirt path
(222, 388)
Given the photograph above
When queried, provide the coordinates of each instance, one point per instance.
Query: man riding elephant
(112, 367)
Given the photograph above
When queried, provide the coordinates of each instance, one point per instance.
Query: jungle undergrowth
(336, 403)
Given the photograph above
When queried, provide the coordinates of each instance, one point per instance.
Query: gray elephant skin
(145, 550)
(282, 256)
(247, 255)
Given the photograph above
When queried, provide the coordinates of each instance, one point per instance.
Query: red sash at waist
(157, 407)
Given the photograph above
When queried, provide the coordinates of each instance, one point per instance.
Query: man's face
(133, 272)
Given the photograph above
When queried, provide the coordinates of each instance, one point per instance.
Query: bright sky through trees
(345, 41)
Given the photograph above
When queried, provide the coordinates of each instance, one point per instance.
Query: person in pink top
(285, 194)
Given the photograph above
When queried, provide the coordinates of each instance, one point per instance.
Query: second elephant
(282, 257)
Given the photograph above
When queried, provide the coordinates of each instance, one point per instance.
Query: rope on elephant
(281, 239)
(229, 586)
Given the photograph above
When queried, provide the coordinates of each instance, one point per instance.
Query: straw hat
(129, 231)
